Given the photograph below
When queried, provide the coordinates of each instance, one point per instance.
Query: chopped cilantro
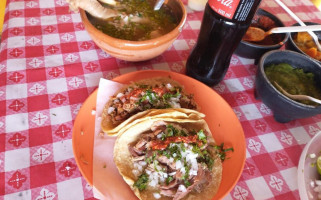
(201, 136)
(169, 179)
(141, 182)
(222, 151)
(186, 175)
(155, 165)
(150, 96)
(183, 147)
(187, 183)
(149, 160)
(170, 132)
(163, 137)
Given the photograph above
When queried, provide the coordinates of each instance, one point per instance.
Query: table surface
(49, 66)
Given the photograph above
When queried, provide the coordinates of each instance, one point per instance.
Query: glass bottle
(223, 26)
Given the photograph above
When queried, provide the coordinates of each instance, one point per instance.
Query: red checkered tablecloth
(49, 66)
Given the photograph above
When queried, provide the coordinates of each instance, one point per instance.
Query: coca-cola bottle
(223, 26)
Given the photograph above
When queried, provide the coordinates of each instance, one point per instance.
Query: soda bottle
(223, 26)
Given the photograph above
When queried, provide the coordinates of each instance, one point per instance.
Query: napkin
(107, 182)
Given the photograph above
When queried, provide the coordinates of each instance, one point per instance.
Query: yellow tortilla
(124, 162)
(177, 113)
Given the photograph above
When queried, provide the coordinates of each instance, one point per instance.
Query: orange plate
(221, 119)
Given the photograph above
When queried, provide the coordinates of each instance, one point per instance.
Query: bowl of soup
(294, 72)
(303, 43)
(138, 33)
(254, 50)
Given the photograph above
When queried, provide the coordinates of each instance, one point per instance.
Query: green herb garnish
(222, 151)
(169, 179)
(201, 136)
(141, 182)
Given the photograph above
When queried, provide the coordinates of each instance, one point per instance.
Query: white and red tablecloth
(49, 66)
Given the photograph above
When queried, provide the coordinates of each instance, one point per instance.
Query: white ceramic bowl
(306, 172)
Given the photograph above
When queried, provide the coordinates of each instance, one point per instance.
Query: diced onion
(135, 172)
(119, 95)
(142, 163)
(193, 172)
(172, 173)
(159, 136)
(181, 188)
(110, 110)
(156, 195)
(168, 86)
(312, 155)
(178, 164)
(134, 98)
(152, 183)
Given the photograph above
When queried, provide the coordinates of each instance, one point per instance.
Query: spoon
(255, 34)
(297, 96)
(158, 4)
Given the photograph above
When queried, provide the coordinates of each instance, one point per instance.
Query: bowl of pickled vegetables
(303, 43)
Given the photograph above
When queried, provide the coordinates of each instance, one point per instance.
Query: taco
(174, 113)
(166, 158)
(154, 93)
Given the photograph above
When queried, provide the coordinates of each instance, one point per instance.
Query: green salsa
(137, 21)
(294, 81)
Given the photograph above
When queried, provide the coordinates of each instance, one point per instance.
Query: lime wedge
(319, 164)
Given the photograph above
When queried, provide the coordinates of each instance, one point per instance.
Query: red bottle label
(226, 8)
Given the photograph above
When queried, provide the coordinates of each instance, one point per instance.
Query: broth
(137, 21)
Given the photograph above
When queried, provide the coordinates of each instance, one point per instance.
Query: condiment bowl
(254, 50)
(285, 109)
(291, 45)
(137, 50)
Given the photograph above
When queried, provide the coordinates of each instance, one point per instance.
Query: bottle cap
(197, 5)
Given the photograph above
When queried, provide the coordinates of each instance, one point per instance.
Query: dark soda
(223, 26)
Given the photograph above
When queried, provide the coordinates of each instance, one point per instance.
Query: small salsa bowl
(291, 45)
(137, 50)
(285, 109)
(254, 50)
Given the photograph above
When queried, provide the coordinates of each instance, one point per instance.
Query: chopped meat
(140, 145)
(158, 125)
(181, 194)
(168, 193)
(200, 174)
(129, 107)
(198, 182)
(166, 161)
(138, 158)
(178, 175)
(157, 131)
(148, 136)
(187, 102)
(172, 184)
(134, 151)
